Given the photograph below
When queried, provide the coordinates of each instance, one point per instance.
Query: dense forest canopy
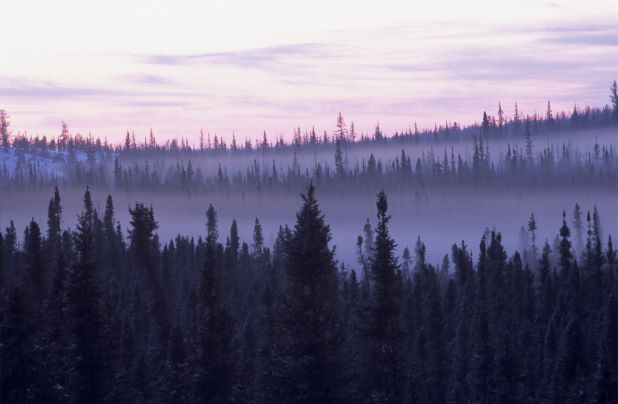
(96, 314)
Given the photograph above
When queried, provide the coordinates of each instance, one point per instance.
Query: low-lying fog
(441, 218)
(306, 157)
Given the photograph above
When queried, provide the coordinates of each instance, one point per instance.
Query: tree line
(527, 166)
(94, 314)
(496, 126)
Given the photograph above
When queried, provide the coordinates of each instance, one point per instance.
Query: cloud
(242, 58)
(32, 89)
(149, 79)
(601, 39)
(51, 91)
(580, 27)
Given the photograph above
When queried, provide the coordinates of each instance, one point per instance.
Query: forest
(526, 151)
(301, 271)
(91, 315)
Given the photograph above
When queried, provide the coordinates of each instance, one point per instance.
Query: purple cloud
(243, 58)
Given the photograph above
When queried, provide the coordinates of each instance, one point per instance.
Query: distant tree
(406, 261)
(202, 141)
(485, 126)
(377, 134)
(578, 229)
(532, 228)
(516, 115)
(54, 218)
(152, 141)
(5, 134)
(529, 143)
(113, 240)
(127, 142)
(339, 165)
(258, 237)
(352, 134)
(341, 133)
(566, 255)
(234, 241)
(614, 98)
(549, 115)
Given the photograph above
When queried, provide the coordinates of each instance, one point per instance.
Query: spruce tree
(89, 352)
(54, 218)
(35, 269)
(613, 96)
(578, 229)
(339, 166)
(258, 237)
(309, 357)
(532, 227)
(215, 376)
(383, 372)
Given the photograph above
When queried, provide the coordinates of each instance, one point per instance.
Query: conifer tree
(339, 166)
(234, 243)
(258, 237)
(532, 228)
(565, 253)
(383, 377)
(35, 269)
(5, 134)
(613, 96)
(578, 229)
(529, 142)
(144, 249)
(54, 218)
(311, 336)
(214, 382)
(341, 132)
(89, 356)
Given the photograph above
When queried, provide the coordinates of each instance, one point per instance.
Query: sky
(244, 67)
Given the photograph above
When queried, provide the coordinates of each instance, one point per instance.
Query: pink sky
(245, 67)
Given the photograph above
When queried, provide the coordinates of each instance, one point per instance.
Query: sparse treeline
(551, 166)
(92, 314)
(80, 160)
(498, 125)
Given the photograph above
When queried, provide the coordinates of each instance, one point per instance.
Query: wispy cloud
(46, 90)
(601, 39)
(149, 79)
(242, 58)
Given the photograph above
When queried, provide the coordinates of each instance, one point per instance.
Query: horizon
(288, 141)
(245, 70)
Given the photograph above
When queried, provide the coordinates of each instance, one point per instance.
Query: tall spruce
(215, 376)
(309, 355)
(90, 357)
(384, 370)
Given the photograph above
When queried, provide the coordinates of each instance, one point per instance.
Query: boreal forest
(458, 264)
